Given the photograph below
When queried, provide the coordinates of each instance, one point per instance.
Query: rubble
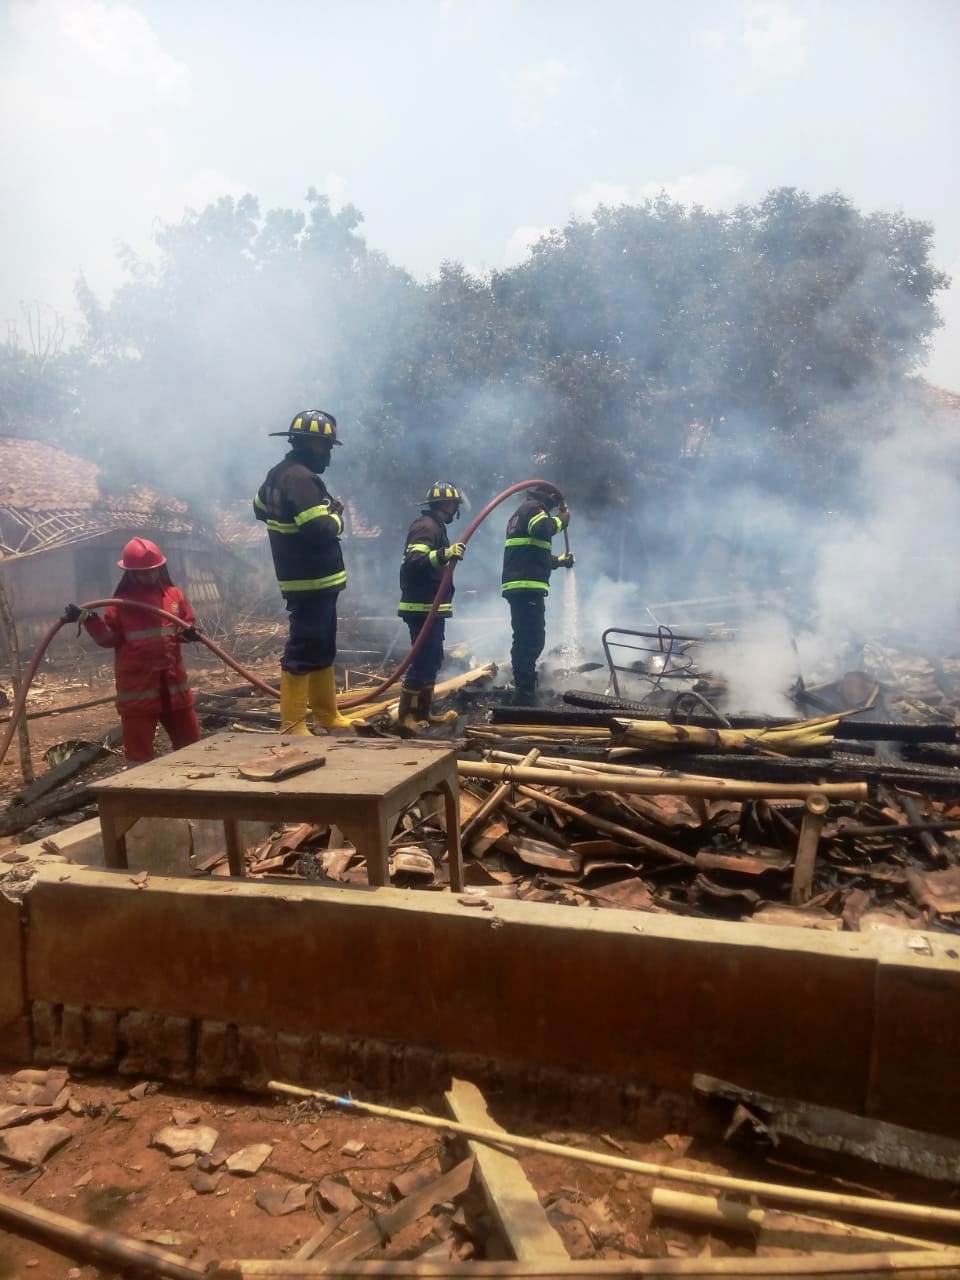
(248, 1160)
(194, 1139)
(29, 1145)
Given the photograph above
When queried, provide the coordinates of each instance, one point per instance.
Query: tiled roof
(49, 498)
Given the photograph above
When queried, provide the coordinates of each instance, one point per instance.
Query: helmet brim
(135, 568)
(304, 435)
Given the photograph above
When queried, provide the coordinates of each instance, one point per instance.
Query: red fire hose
(368, 695)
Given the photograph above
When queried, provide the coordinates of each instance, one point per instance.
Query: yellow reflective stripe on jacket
(527, 542)
(521, 584)
(409, 606)
(259, 503)
(542, 515)
(314, 513)
(315, 584)
(148, 632)
(282, 526)
(416, 546)
(144, 695)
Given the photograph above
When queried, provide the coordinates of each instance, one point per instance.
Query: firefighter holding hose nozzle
(527, 562)
(152, 682)
(304, 524)
(427, 552)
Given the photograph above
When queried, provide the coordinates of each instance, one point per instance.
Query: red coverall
(152, 682)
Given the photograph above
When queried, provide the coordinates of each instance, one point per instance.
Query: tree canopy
(645, 346)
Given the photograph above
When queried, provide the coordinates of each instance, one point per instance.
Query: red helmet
(141, 553)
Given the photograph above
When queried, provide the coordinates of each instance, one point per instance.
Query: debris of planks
(507, 1189)
(806, 1196)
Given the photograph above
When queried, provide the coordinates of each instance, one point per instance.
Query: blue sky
(461, 129)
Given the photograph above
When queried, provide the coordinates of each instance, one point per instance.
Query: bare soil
(109, 1175)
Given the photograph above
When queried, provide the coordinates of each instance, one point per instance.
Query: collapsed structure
(650, 900)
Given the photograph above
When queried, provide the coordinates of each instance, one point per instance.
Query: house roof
(49, 498)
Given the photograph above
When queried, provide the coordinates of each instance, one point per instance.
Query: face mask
(317, 462)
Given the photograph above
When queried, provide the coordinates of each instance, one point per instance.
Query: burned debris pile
(833, 822)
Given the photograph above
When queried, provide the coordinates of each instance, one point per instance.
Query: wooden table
(362, 788)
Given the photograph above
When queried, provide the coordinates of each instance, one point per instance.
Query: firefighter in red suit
(152, 682)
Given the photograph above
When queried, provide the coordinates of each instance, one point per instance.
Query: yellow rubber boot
(323, 700)
(426, 701)
(409, 724)
(293, 704)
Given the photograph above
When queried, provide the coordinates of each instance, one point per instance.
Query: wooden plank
(382, 1226)
(508, 1190)
(283, 762)
(928, 1155)
(934, 1264)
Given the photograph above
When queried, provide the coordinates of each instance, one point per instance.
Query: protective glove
(455, 551)
(563, 511)
(564, 561)
(189, 634)
(73, 613)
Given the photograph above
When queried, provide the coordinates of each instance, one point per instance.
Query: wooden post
(13, 649)
(810, 828)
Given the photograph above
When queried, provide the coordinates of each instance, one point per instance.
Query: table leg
(371, 839)
(113, 829)
(451, 802)
(235, 858)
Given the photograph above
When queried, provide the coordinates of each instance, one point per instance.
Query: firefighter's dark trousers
(528, 612)
(312, 642)
(422, 671)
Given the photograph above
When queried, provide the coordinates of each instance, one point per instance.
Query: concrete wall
(855, 1021)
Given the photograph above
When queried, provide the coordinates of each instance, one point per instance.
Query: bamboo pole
(580, 1155)
(711, 788)
(626, 834)
(79, 1241)
(938, 1264)
(492, 802)
(734, 1215)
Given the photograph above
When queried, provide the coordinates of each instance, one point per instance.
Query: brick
(141, 1038)
(259, 1059)
(294, 1057)
(45, 1023)
(177, 1036)
(218, 1060)
(71, 1049)
(103, 1039)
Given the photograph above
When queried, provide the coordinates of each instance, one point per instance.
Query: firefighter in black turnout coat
(304, 524)
(525, 583)
(426, 554)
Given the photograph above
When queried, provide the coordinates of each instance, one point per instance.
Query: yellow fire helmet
(312, 424)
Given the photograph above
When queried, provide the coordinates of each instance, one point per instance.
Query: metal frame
(666, 640)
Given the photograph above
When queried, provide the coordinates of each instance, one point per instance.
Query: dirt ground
(109, 1175)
